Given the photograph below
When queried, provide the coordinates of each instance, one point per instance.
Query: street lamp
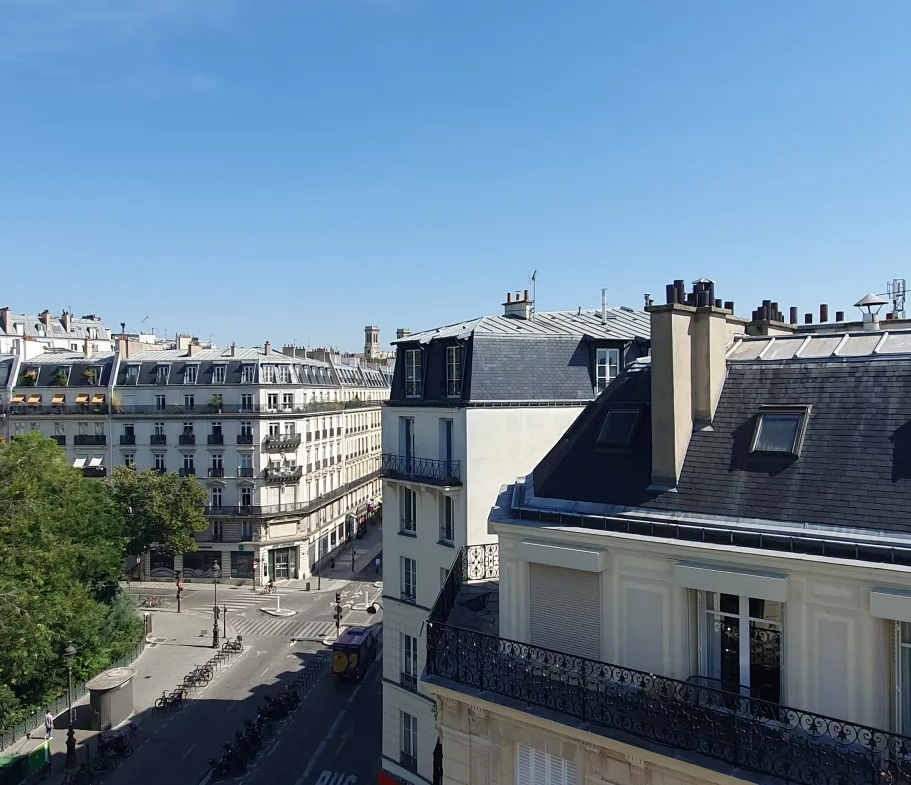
(215, 571)
(68, 654)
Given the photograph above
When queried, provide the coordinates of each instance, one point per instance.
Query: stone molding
(592, 758)
(638, 770)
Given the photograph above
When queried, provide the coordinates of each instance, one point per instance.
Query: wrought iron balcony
(61, 440)
(422, 470)
(128, 439)
(245, 471)
(409, 681)
(187, 438)
(211, 409)
(699, 723)
(94, 472)
(279, 442)
(216, 471)
(409, 762)
(89, 440)
(452, 388)
(158, 439)
(273, 476)
(216, 438)
(413, 389)
(82, 410)
(187, 471)
(245, 438)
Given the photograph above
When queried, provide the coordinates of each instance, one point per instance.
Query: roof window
(619, 427)
(780, 430)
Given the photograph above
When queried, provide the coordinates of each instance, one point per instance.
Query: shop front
(161, 566)
(283, 563)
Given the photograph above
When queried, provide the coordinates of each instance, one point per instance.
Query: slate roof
(506, 359)
(34, 327)
(74, 364)
(854, 470)
(622, 324)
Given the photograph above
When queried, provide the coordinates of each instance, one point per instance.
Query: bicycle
(150, 601)
(268, 590)
(172, 702)
(233, 647)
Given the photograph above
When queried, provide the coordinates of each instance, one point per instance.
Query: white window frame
(269, 374)
(410, 735)
(248, 374)
(409, 511)
(409, 578)
(160, 403)
(216, 494)
(413, 373)
(447, 519)
(453, 371)
(410, 657)
(218, 374)
(190, 374)
(607, 366)
(743, 619)
(158, 460)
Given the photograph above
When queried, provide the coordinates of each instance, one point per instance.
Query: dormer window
(161, 374)
(268, 374)
(284, 374)
(453, 371)
(132, 375)
(413, 373)
(607, 366)
(190, 372)
(780, 430)
(218, 374)
(92, 374)
(248, 374)
(619, 427)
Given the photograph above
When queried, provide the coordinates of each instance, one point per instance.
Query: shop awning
(82, 398)
(95, 461)
(97, 399)
(80, 461)
(18, 399)
(58, 399)
(34, 400)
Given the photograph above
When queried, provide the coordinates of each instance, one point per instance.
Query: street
(337, 729)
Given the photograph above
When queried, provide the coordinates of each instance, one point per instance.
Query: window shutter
(539, 767)
(556, 770)
(523, 765)
(570, 773)
(702, 633)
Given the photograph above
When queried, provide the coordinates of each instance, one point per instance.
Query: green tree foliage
(160, 510)
(61, 557)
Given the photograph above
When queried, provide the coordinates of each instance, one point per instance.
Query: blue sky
(255, 169)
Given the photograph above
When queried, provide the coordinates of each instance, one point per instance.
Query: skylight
(780, 431)
(619, 428)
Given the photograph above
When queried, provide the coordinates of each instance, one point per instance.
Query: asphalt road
(337, 727)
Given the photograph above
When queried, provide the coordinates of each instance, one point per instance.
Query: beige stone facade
(480, 740)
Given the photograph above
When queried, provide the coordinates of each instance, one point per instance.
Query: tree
(61, 551)
(160, 510)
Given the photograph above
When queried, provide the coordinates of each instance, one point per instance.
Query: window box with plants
(215, 403)
(91, 375)
(30, 377)
(61, 379)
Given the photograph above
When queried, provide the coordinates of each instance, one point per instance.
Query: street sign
(338, 608)
(240, 547)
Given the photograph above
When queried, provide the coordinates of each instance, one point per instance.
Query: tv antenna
(534, 291)
(895, 291)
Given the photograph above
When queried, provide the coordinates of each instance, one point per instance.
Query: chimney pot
(890, 315)
(729, 306)
(775, 311)
(718, 303)
(808, 318)
(671, 292)
(233, 348)
(839, 316)
(267, 348)
(509, 297)
(792, 315)
(681, 291)
(823, 313)
(526, 295)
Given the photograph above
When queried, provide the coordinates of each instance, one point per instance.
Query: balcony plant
(90, 375)
(215, 402)
(61, 378)
(31, 377)
(115, 404)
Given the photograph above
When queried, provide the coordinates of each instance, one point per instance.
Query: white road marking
(188, 752)
(322, 745)
(263, 673)
(353, 696)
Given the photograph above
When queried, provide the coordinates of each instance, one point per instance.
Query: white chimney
(86, 349)
(870, 305)
(604, 306)
(518, 308)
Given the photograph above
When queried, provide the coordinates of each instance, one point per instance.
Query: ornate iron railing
(754, 735)
(406, 467)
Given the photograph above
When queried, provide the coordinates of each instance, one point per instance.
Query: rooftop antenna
(604, 306)
(534, 291)
(895, 290)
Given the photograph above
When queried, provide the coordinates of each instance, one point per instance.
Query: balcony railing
(158, 438)
(203, 409)
(94, 472)
(426, 470)
(408, 680)
(89, 440)
(187, 471)
(245, 471)
(216, 438)
(409, 762)
(272, 476)
(697, 721)
(279, 442)
(413, 389)
(216, 471)
(128, 439)
(84, 410)
(187, 438)
(245, 438)
(452, 388)
(297, 507)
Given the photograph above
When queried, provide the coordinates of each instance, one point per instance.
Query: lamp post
(215, 571)
(68, 654)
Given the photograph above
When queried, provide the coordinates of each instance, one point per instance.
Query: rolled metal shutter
(566, 610)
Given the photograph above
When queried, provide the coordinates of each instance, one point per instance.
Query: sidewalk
(173, 648)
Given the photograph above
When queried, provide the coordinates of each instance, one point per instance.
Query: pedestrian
(377, 565)
(49, 725)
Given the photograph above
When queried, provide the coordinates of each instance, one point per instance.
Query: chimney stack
(86, 349)
(67, 318)
(823, 313)
(233, 348)
(792, 315)
(267, 348)
(4, 320)
(193, 349)
(520, 308)
(183, 342)
(402, 332)
(689, 343)
(123, 348)
(839, 316)
(45, 317)
(604, 306)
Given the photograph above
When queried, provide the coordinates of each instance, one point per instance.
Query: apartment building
(707, 579)
(33, 335)
(472, 405)
(286, 448)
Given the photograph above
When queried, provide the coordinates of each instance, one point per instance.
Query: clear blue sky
(273, 170)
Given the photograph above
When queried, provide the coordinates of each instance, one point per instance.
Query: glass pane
(777, 432)
(723, 651)
(765, 661)
(906, 632)
(730, 603)
(765, 609)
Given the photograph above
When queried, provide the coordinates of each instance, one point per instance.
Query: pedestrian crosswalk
(285, 628)
(246, 601)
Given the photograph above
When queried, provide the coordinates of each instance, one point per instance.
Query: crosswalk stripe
(283, 628)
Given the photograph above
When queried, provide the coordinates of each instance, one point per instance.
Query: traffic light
(338, 598)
